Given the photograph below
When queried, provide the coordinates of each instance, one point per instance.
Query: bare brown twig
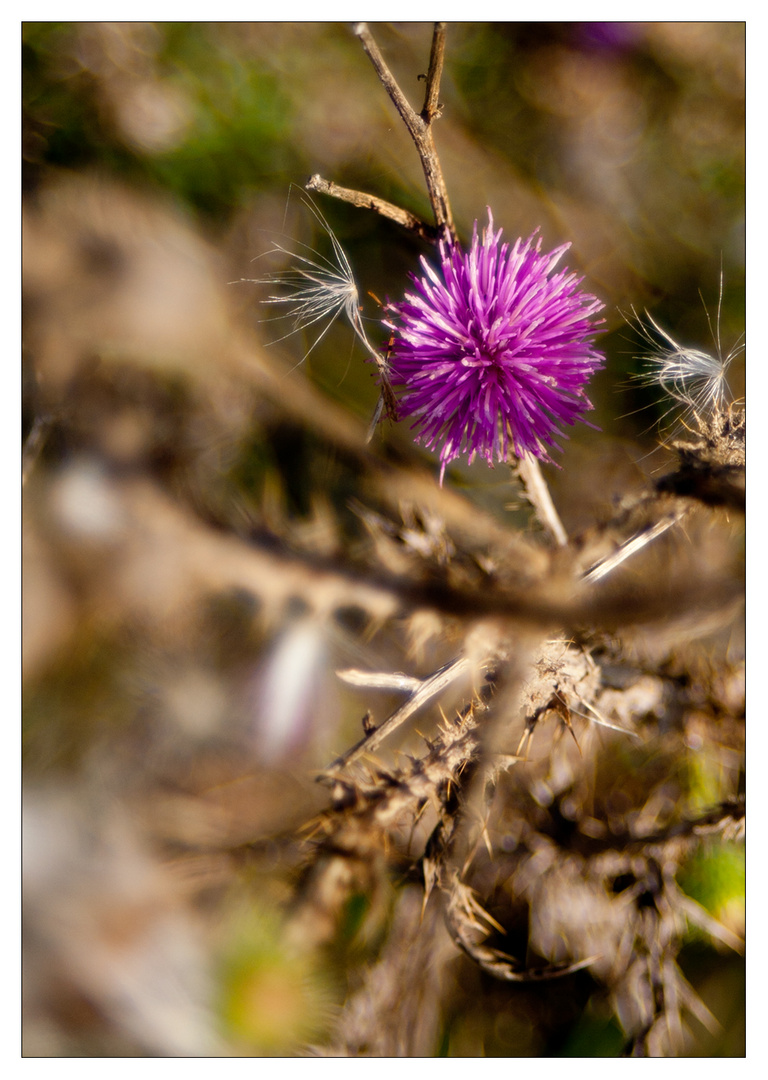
(432, 107)
(372, 202)
(423, 692)
(420, 129)
(419, 126)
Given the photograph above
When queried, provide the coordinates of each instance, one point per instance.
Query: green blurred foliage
(271, 998)
(217, 126)
(715, 876)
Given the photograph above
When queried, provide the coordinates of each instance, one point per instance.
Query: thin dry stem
(631, 547)
(537, 493)
(365, 201)
(419, 127)
(432, 105)
(424, 692)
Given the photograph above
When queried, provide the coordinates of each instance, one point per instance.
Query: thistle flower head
(492, 354)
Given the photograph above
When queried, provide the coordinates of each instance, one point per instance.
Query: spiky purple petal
(493, 354)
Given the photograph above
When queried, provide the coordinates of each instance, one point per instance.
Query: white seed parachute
(695, 379)
(316, 290)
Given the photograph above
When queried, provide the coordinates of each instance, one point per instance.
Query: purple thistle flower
(494, 355)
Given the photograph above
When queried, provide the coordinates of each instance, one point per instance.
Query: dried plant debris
(712, 461)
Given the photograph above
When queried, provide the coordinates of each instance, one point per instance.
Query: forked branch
(419, 126)
(420, 129)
